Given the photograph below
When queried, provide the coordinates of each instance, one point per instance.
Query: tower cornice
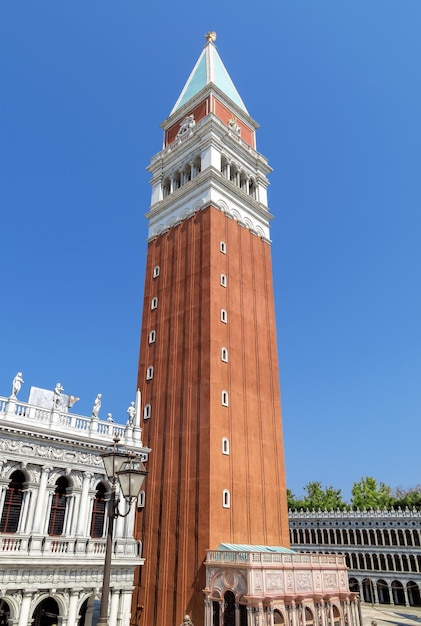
(209, 188)
(209, 89)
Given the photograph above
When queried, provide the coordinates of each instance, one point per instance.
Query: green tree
(368, 494)
(406, 497)
(325, 499)
(293, 503)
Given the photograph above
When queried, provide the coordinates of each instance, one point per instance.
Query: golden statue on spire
(210, 37)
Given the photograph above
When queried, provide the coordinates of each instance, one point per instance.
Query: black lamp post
(126, 468)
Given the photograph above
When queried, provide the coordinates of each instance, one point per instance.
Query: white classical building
(53, 512)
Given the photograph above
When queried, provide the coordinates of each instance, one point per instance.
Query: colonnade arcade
(410, 537)
(231, 611)
(51, 609)
(384, 591)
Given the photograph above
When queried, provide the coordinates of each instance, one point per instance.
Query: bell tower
(208, 367)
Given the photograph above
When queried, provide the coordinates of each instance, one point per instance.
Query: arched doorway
(308, 617)
(383, 592)
(368, 595)
(336, 615)
(278, 617)
(354, 586)
(215, 613)
(398, 593)
(229, 609)
(413, 593)
(46, 613)
(4, 613)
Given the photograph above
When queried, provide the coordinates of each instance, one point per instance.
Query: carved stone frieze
(58, 576)
(273, 581)
(51, 453)
(330, 580)
(303, 581)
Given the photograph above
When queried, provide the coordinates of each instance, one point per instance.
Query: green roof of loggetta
(242, 547)
(209, 69)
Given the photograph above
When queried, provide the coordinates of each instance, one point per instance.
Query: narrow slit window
(147, 412)
(224, 355)
(152, 336)
(226, 499)
(141, 500)
(224, 398)
(154, 303)
(149, 373)
(223, 247)
(225, 445)
(223, 280)
(156, 271)
(224, 316)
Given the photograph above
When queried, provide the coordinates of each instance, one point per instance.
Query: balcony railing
(265, 558)
(29, 415)
(56, 547)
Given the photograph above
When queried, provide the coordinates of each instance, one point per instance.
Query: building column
(208, 612)
(293, 613)
(41, 500)
(322, 613)
(72, 617)
(405, 591)
(68, 515)
(26, 500)
(115, 610)
(24, 617)
(81, 529)
(249, 616)
(331, 616)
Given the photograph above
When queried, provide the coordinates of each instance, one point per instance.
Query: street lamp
(126, 468)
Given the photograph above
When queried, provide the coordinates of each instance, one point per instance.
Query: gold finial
(210, 37)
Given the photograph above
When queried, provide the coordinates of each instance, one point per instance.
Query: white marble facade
(53, 515)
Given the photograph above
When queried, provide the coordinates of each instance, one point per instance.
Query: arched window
(225, 445)
(226, 499)
(229, 609)
(166, 187)
(224, 398)
(58, 507)
(147, 411)
(149, 373)
(223, 247)
(12, 503)
(223, 280)
(224, 355)
(224, 316)
(156, 271)
(98, 512)
(152, 336)
(154, 303)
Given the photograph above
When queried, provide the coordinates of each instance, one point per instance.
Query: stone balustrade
(55, 547)
(28, 415)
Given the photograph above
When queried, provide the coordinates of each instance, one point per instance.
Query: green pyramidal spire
(209, 69)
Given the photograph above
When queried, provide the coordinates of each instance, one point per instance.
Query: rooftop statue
(97, 406)
(17, 384)
(131, 412)
(58, 390)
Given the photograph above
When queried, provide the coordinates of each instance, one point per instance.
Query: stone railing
(357, 513)
(25, 414)
(58, 547)
(277, 558)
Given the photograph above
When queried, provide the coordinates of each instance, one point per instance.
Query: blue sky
(336, 88)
